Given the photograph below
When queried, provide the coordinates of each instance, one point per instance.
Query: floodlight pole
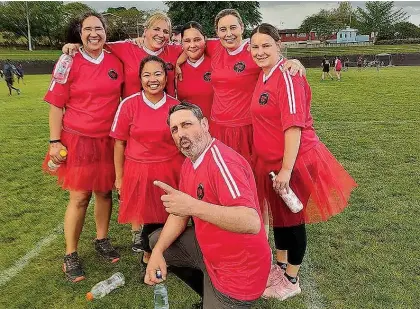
(29, 27)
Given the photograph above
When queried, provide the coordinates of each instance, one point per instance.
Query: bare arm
(119, 148)
(56, 123)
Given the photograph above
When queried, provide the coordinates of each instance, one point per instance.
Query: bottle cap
(89, 296)
(158, 274)
(63, 153)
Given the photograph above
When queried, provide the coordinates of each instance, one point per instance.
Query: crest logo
(207, 76)
(112, 74)
(263, 98)
(239, 67)
(200, 192)
(169, 66)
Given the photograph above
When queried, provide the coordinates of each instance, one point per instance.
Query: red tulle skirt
(89, 165)
(140, 199)
(237, 138)
(319, 181)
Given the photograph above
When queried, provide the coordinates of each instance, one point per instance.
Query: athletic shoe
(137, 245)
(283, 289)
(18, 91)
(73, 268)
(106, 250)
(276, 273)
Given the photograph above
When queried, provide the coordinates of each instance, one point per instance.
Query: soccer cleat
(106, 250)
(276, 273)
(73, 268)
(137, 245)
(283, 289)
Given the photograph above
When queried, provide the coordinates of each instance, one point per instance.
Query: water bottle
(62, 69)
(160, 294)
(52, 167)
(105, 287)
(290, 199)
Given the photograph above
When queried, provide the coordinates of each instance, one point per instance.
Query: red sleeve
(58, 94)
(231, 182)
(212, 45)
(292, 100)
(119, 48)
(120, 128)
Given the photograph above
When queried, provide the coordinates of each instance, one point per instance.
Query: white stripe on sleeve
(290, 92)
(222, 172)
(227, 171)
(52, 85)
(117, 114)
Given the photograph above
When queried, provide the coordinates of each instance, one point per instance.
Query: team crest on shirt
(112, 74)
(239, 67)
(169, 66)
(263, 98)
(207, 76)
(200, 191)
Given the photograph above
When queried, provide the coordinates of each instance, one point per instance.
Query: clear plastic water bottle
(105, 287)
(52, 167)
(160, 294)
(62, 69)
(290, 199)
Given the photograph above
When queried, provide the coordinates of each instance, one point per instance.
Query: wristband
(55, 141)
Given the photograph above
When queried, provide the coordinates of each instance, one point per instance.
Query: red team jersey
(238, 264)
(131, 56)
(91, 94)
(143, 125)
(195, 86)
(278, 103)
(234, 75)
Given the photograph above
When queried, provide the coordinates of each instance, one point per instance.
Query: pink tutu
(140, 199)
(237, 138)
(319, 181)
(89, 165)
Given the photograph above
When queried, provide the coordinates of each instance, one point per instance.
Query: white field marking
(312, 297)
(9, 273)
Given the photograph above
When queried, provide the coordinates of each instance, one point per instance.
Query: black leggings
(148, 229)
(292, 239)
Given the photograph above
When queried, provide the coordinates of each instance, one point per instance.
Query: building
(349, 35)
(293, 36)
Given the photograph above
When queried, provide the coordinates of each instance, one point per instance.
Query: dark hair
(184, 105)
(227, 12)
(268, 30)
(192, 25)
(152, 58)
(74, 28)
(177, 29)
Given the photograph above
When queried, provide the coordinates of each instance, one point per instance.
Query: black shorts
(359, 65)
(325, 70)
(9, 81)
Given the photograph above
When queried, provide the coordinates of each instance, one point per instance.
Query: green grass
(353, 50)
(19, 54)
(366, 257)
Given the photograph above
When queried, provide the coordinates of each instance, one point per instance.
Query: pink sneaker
(275, 273)
(283, 289)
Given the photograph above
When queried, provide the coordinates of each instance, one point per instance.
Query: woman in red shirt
(81, 113)
(144, 151)
(285, 142)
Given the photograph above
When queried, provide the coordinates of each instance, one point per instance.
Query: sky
(283, 14)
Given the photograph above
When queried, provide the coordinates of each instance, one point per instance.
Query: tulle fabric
(237, 138)
(89, 165)
(319, 181)
(140, 200)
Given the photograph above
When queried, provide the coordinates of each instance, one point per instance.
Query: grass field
(366, 257)
(291, 52)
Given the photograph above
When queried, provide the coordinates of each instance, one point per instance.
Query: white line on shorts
(9, 273)
(312, 297)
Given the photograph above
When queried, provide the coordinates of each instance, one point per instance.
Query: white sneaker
(283, 289)
(276, 272)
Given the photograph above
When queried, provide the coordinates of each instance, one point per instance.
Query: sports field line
(312, 297)
(12, 271)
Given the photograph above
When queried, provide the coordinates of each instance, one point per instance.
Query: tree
(321, 23)
(204, 12)
(124, 23)
(379, 17)
(406, 30)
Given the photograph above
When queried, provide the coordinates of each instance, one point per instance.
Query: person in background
(359, 63)
(227, 242)
(195, 86)
(286, 143)
(176, 35)
(8, 77)
(81, 114)
(144, 151)
(338, 67)
(326, 68)
(20, 73)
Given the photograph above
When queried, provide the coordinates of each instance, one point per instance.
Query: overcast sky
(283, 14)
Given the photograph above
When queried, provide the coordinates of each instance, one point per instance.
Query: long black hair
(74, 28)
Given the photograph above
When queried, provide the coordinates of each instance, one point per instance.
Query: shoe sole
(136, 250)
(73, 280)
(294, 293)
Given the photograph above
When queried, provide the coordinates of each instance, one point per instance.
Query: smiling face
(157, 35)
(230, 31)
(153, 78)
(265, 51)
(93, 34)
(193, 43)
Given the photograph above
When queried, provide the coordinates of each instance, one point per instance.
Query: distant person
(1, 74)
(326, 68)
(19, 73)
(337, 67)
(8, 77)
(346, 64)
(176, 34)
(359, 63)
